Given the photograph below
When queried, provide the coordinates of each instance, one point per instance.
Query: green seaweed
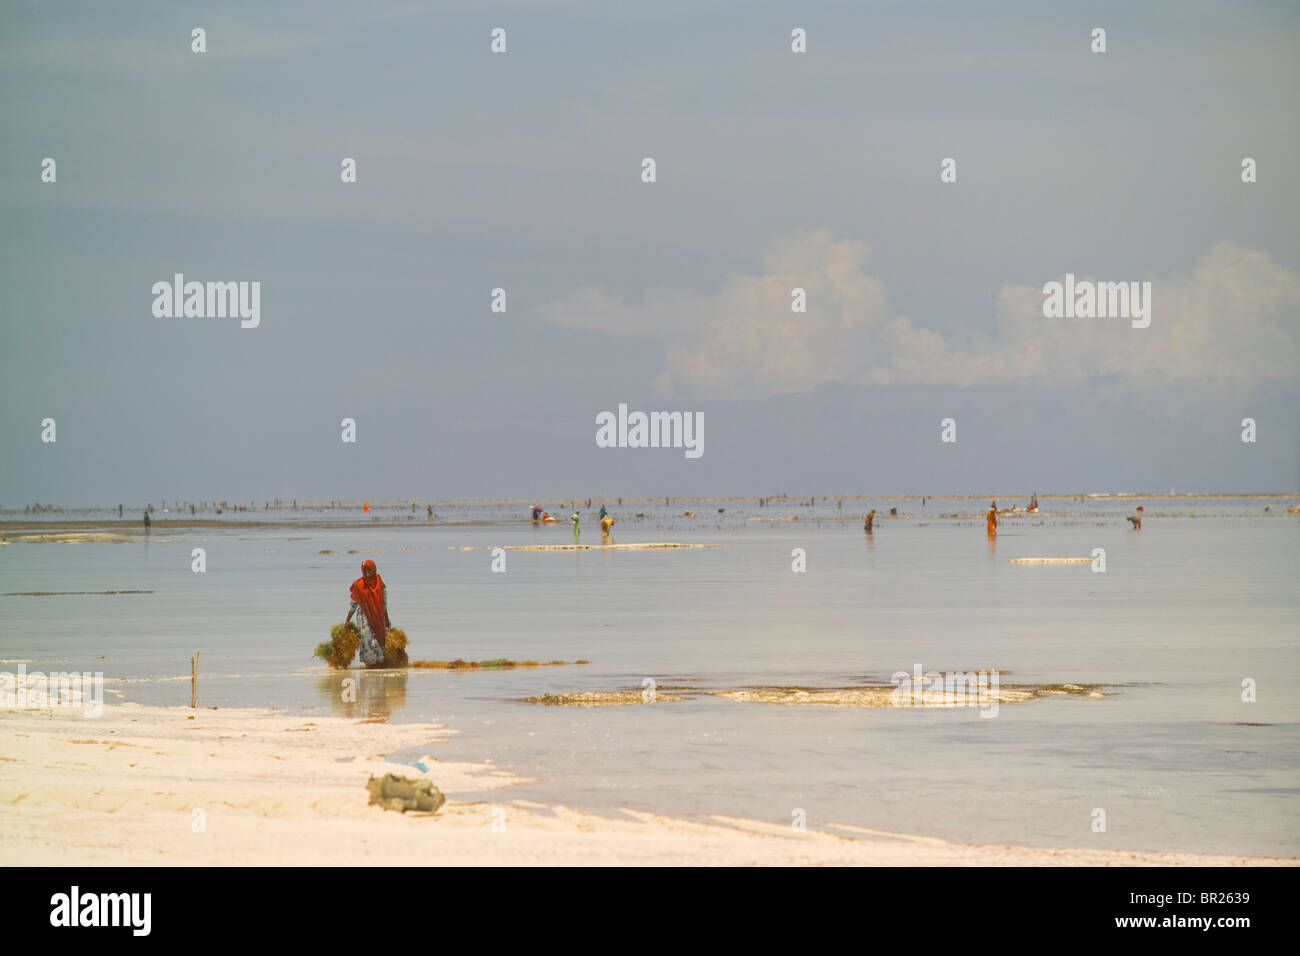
(495, 663)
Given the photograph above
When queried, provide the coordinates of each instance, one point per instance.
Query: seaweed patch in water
(891, 696)
(601, 698)
(496, 663)
(54, 593)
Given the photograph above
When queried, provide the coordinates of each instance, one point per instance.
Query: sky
(523, 170)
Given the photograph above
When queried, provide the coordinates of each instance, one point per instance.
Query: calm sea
(1203, 598)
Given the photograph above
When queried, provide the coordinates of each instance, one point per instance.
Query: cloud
(1229, 326)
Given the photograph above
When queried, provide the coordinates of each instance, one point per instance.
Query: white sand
(275, 789)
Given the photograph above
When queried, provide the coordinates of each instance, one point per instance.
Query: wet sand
(150, 785)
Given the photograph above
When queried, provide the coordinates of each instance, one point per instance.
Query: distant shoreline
(397, 516)
(60, 515)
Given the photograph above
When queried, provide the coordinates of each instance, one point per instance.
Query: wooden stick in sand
(194, 681)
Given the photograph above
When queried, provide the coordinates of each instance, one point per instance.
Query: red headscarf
(369, 596)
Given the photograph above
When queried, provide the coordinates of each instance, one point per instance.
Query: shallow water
(1202, 598)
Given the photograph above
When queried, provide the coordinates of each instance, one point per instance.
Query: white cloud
(1230, 325)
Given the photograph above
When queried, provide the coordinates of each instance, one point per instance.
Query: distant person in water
(603, 512)
(992, 520)
(537, 514)
(147, 521)
(1136, 519)
(869, 520)
(370, 596)
(605, 524)
(574, 518)
(428, 512)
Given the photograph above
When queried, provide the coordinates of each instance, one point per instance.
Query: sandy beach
(153, 785)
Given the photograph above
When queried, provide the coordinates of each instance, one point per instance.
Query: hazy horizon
(522, 171)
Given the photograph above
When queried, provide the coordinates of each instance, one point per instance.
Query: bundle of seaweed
(341, 647)
(404, 793)
(496, 663)
(395, 648)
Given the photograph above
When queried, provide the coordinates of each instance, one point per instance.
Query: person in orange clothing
(370, 596)
(992, 521)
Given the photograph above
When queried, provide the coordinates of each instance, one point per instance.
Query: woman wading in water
(370, 595)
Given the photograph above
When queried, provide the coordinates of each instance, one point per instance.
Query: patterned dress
(371, 647)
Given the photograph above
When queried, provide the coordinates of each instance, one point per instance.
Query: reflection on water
(367, 695)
